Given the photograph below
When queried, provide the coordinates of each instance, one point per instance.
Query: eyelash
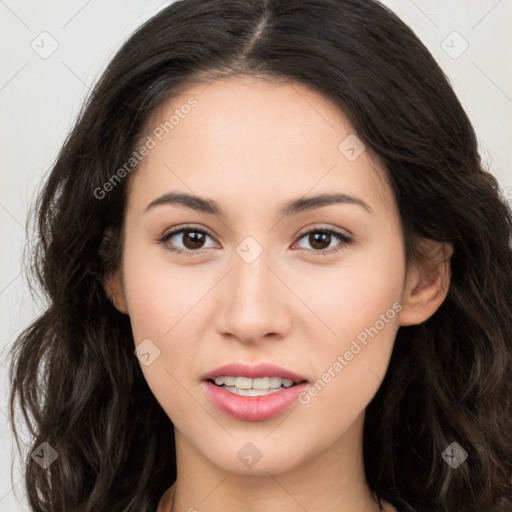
(345, 240)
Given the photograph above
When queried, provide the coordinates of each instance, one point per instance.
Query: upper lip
(253, 372)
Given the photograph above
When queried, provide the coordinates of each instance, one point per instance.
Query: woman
(202, 349)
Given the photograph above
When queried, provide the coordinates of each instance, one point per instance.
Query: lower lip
(253, 408)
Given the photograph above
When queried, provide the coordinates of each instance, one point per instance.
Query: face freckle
(254, 293)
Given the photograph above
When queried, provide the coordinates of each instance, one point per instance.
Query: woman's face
(260, 286)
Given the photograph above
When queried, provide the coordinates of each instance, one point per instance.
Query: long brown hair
(74, 376)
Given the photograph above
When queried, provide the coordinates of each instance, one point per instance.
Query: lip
(253, 372)
(253, 408)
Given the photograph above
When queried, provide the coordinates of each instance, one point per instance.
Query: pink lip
(253, 408)
(253, 372)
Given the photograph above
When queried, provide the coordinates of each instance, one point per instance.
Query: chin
(248, 459)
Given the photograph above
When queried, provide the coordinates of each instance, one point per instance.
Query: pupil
(196, 239)
(315, 237)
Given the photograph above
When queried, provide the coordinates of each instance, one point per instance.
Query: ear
(115, 291)
(427, 283)
(113, 281)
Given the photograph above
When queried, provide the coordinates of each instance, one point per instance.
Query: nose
(254, 301)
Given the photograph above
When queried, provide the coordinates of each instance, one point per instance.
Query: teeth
(250, 392)
(275, 382)
(243, 383)
(261, 383)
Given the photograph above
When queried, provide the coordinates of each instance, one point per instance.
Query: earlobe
(427, 284)
(115, 291)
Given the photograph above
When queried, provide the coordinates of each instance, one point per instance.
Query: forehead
(244, 139)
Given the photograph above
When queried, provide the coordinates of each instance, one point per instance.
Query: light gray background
(40, 97)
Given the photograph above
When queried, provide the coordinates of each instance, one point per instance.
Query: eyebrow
(291, 207)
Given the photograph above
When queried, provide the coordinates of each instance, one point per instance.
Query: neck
(332, 481)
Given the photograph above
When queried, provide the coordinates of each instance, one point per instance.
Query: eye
(321, 238)
(193, 239)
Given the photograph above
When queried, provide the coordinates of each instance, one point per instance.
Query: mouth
(253, 393)
(246, 386)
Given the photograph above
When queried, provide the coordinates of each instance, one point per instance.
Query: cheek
(358, 304)
(359, 299)
(158, 293)
(353, 294)
(160, 305)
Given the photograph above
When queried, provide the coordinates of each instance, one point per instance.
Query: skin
(252, 146)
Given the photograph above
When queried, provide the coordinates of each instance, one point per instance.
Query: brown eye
(192, 240)
(321, 238)
(318, 240)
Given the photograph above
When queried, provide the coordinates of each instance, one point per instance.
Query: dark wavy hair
(74, 376)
